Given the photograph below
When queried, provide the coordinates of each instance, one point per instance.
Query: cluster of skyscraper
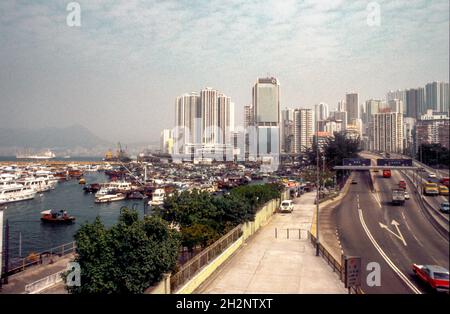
(399, 123)
(405, 120)
(300, 126)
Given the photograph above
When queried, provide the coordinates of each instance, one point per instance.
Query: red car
(433, 275)
(402, 184)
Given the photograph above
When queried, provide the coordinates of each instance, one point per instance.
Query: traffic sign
(395, 162)
(352, 271)
(356, 162)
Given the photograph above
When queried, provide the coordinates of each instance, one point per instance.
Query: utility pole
(6, 251)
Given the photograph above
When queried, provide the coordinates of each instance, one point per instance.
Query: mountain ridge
(51, 137)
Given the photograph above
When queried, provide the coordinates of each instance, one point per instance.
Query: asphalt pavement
(395, 237)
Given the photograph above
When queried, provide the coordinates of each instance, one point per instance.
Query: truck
(430, 188)
(398, 196)
(386, 173)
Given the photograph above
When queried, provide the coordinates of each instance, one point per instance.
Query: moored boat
(16, 193)
(136, 195)
(157, 198)
(110, 198)
(92, 188)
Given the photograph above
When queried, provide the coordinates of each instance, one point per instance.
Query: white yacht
(110, 198)
(118, 185)
(8, 184)
(157, 197)
(102, 192)
(38, 184)
(16, 193)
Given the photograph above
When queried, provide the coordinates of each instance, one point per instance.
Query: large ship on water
(45, 155)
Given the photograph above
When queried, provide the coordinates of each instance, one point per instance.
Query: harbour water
(28, 234)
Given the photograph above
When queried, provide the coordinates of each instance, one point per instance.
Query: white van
(286, 206)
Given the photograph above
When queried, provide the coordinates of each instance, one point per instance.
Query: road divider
(437, 221)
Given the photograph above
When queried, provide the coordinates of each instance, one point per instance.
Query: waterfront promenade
(273, 263)
(17, 282)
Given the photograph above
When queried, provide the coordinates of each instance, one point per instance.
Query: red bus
(445, 181)
(386, 173)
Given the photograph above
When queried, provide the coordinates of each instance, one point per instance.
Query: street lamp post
(318, 188)
(1, 246)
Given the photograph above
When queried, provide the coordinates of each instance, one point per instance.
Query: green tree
(434, 155)
(127, 258)
(198, 234)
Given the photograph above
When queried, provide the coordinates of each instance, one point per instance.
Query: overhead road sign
(375, 168)
(395, 162)
(356, 162)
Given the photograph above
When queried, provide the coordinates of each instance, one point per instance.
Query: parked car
(437, 277)
(354, 181)
(445, 207)
(286, 206)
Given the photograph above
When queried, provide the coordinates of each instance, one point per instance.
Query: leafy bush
(127, 258)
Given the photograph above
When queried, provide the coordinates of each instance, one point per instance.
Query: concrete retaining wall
(207, 271)
(162, 287)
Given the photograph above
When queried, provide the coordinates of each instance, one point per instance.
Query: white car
(286, 206)
(407, 197)
(431, 175)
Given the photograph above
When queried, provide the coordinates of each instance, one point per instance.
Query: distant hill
(53, 138)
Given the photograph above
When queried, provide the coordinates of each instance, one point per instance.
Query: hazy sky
(119, 73)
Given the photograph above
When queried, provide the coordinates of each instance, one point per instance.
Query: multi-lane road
(394, 237)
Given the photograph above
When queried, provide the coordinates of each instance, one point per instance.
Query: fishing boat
(110, 198)
(56, 216)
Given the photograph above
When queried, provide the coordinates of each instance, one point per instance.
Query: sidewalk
(269, 264)
(17, 282)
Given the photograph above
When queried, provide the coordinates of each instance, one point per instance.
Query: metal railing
(192, 267)
(45, 257)
(334, 264)
(291, 233)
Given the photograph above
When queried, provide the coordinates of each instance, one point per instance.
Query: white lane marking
(375, 196)
(399, 235)
(385, 257)
(410, 230)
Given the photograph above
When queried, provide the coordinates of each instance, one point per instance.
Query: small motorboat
(110, 198)
(56, 216)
